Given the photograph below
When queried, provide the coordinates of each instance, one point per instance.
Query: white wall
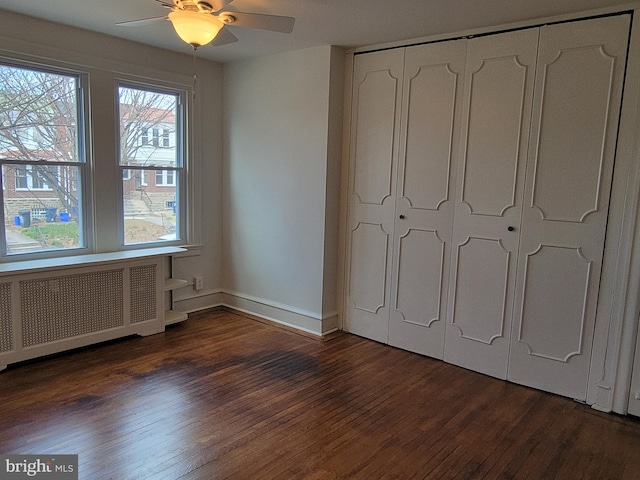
(107, 59)
(281, 172)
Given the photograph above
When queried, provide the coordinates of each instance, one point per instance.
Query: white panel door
(432, 93)
(499, 82)
(573, 138)
(375, 128)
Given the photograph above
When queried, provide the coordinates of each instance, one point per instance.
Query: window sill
(189, 251)
(13, 268)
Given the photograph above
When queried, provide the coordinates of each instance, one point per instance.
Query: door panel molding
(432, 93)
(555, 300)
(572, 83)
(368, 284)
(468, 307)
(497, 91)
(425, 267)
(375, 136)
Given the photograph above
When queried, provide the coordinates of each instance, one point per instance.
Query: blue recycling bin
(50, 213)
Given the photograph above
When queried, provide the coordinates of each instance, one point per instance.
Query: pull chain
(195, 75)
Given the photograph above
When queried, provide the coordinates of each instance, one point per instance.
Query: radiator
(58, 309)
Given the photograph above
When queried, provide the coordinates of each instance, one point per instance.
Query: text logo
(50, 467)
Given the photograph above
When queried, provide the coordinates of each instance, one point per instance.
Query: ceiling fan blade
(217, 4)
(142, 21)
(274, 23)
(167, 3)
(224, 37)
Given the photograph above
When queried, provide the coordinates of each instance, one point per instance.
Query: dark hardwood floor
(223, 396)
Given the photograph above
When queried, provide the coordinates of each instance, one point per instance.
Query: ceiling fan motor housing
(204, 7)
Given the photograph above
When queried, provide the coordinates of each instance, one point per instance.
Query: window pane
(150, 206)
(38, 116)
(41, 208)
(148, 128)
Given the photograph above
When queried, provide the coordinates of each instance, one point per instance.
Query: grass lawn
(57, 235)
(66, 235)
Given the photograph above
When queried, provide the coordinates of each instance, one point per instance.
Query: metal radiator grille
(6, 328)
(68, 306)
(143, 293)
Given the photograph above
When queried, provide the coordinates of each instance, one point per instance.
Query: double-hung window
(42, 157)
(151, 160)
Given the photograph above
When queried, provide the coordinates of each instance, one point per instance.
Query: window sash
(157, 167)
(44, 165)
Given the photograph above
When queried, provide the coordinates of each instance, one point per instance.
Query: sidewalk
(18, 243)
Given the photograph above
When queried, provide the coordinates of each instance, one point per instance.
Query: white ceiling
(346, 23)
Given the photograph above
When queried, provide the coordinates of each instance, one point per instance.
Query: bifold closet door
(571, 157)
(634, 393)
(375, 129)
(431, 106)
(498, 94)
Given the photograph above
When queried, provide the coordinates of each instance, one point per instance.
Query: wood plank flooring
(225, 397)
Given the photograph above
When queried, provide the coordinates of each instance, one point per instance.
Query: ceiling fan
(200, 22)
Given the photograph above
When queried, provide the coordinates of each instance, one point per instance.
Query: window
(166, 142)
(42, 158)
(31, 177)
(155, 137)
(151, 149)
(165, 178)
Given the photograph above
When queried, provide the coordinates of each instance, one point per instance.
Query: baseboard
(302, 321)
(273, 323)
(200, 301)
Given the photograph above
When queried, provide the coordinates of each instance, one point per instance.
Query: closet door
(431, 106)
(375, 128)
(499, 81)
(571, 156)
(634, 394)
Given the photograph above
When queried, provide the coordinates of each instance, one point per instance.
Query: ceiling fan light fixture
(195, 28)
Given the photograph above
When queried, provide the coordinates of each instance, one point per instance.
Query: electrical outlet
(198, 283)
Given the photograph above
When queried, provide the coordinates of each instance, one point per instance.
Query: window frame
(84, 166)
(164, 176)
(30, 180)
(181, 177)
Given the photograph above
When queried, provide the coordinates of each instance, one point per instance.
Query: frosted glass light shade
(195, 28)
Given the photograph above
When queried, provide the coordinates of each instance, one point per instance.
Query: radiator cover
(61, 308)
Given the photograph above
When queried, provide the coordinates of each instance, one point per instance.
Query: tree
(40, 138)
(141, 113)
(38, 118)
